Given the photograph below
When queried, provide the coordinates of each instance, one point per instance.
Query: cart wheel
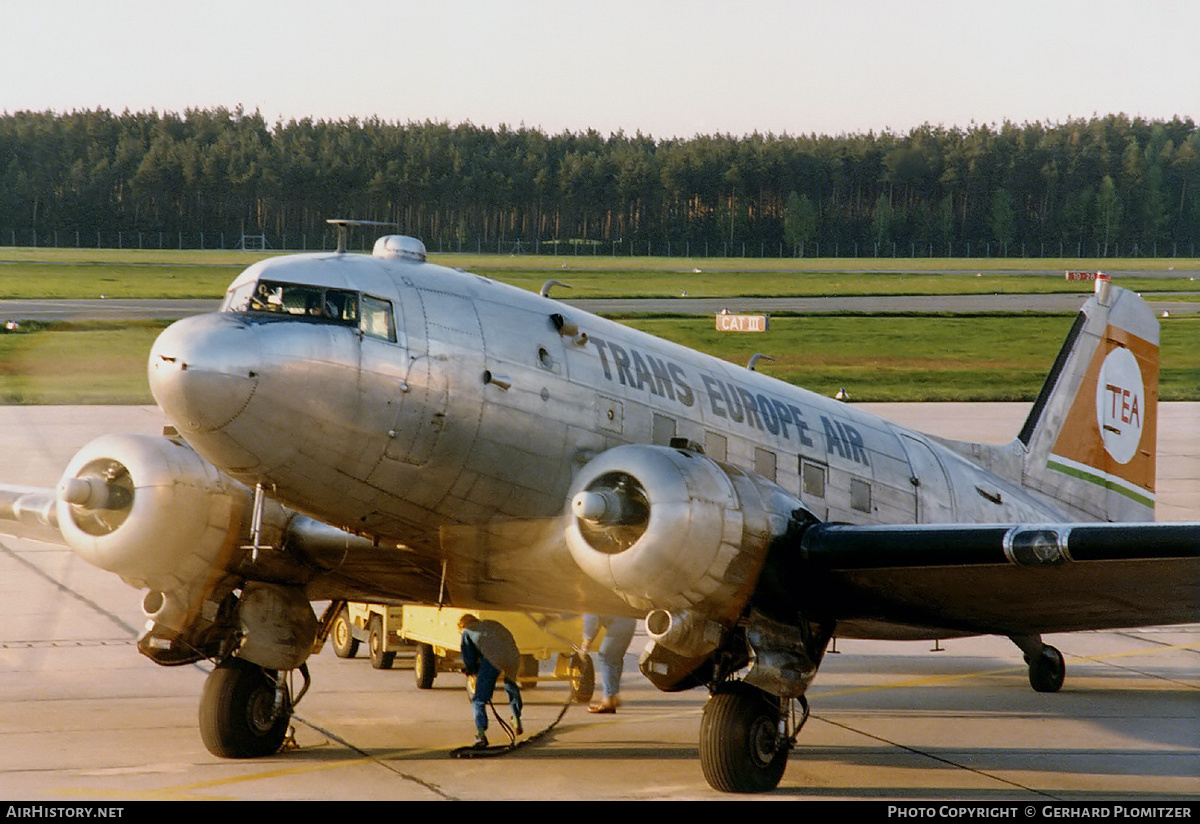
(380, 659)
(425, 666)
(583, 678)
(528, 676)
(344, 643)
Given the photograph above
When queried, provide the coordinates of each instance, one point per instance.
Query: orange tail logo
(1109, 437)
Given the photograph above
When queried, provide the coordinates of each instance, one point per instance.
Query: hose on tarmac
(471, 751)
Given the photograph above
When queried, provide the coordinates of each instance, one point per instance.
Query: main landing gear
(745, 736)
(245, 709)
(746, 733)
(1046, 666)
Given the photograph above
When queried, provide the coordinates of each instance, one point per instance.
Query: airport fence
(363, 241)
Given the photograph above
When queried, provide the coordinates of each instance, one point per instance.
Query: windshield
(316, 303)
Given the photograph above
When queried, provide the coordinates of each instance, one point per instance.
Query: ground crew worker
(618, 635)
(490, 652)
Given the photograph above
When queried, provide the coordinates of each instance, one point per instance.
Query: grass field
(68, 363)
(92, 273)
(930, 357)
(993, 358)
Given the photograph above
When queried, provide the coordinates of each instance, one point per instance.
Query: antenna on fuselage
(550, 284)
(755, 358)
(343, 226)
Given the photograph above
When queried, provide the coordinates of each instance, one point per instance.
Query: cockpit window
(370, 315)
(377, 318)
(295, 299)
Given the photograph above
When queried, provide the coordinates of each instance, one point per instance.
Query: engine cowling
(671, 529)
(156, 513)
(150, 510)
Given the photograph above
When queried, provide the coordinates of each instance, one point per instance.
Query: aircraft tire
(345, 645)
(740, 750)
(380, 658)
(583, 678)
(1047, 671)
(235, 712)
(425, 666)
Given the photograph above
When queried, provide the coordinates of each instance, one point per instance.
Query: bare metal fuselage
(379, 428)
(460, 438)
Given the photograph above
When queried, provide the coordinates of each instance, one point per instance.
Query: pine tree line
(1106, 185)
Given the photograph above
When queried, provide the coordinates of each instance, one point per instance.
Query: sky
(664, 68)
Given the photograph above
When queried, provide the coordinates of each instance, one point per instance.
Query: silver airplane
(380, 428)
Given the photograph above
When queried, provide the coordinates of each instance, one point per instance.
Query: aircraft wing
(29, 512)
(933, 581)
(146, 507)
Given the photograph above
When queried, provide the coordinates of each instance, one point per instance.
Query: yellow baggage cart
(433, 635)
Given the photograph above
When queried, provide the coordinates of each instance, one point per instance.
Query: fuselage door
(395, 377)
(446, 362)
(935, 499)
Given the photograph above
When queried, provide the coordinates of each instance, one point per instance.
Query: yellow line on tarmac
(189, 792)
(194, 791)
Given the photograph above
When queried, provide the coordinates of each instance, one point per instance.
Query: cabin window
(812, 479)
(377, 320)
(860, 495)
(764, 463)
(716, 446)
(664, 430)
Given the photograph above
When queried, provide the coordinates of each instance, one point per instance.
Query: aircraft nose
(203, 370)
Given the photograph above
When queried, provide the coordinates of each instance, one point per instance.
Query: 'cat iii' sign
(742, 323)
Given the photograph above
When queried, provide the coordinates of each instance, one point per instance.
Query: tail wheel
(242, 714)
(377, 645)
(345, 645)
(425, 666)
(742, 749)
(583, 678)
(1047, 671)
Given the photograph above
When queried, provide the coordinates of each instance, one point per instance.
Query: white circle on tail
(1120, 404)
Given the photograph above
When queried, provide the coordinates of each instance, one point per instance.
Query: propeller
(613, 511)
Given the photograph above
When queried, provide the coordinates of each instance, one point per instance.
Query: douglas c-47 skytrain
(379, 428)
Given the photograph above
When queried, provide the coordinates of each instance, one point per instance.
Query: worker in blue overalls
(489, 652)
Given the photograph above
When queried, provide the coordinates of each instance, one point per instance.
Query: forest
(1105, 186)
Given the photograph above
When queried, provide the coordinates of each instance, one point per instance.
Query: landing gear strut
(744, 740)
(244, 710)
(1046, 666)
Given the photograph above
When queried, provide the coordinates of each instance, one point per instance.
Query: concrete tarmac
(83, 716)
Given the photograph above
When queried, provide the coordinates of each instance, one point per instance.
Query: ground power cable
(471, 751)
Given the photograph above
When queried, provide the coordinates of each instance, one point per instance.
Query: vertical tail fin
(1090, 439)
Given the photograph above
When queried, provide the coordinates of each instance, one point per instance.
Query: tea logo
(1120, 404)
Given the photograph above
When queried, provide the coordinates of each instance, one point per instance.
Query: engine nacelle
(163, 518)
(154, 512)
(674, 530)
